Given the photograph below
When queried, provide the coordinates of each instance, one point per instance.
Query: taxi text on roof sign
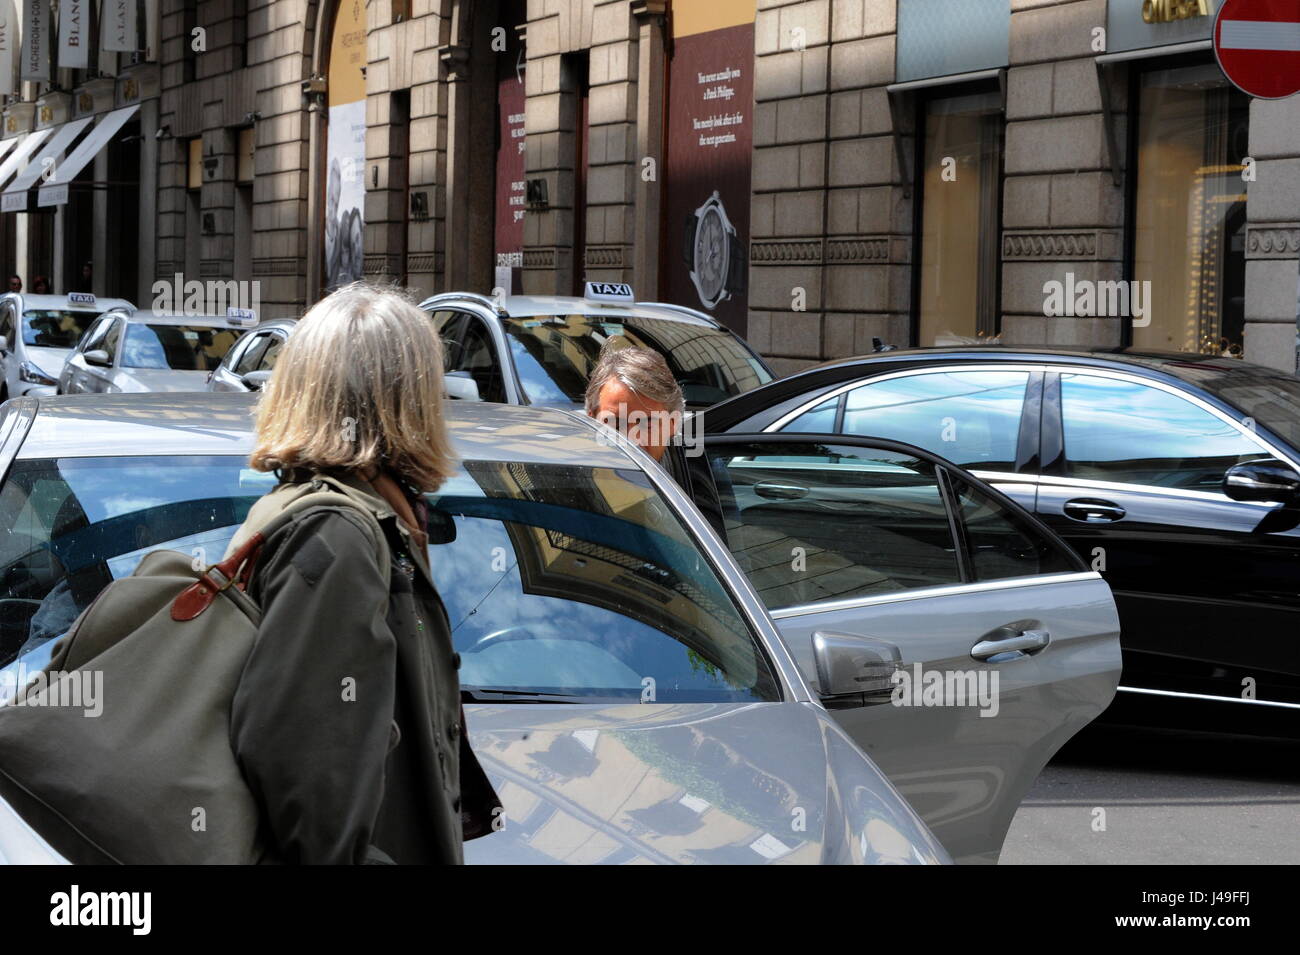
(609, 292)
(81, 298)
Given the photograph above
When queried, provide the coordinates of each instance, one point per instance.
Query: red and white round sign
(1257, 43)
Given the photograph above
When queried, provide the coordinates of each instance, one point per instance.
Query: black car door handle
(1093, 511)
(779, 492)
(1022, 644)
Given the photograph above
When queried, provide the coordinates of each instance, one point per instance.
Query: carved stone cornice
(1274, 240)
(603, 257)
(1056, 245)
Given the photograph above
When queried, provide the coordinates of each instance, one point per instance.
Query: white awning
(18, 157)
(8, 144)
(14, 198)
(56, 192)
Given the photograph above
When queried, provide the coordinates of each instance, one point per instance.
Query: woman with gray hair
(347, 721)
(632, 390)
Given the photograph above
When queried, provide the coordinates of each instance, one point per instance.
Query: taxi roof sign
(244, 317)
(81, 298)
(617, 292)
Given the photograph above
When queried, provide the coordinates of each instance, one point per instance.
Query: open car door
(956, 639)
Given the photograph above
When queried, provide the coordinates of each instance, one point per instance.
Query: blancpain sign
(74, 33)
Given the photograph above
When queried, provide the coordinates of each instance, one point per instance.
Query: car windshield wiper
(481, 694)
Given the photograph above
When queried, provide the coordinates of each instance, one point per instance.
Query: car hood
(48, 360)
(160, 380)
(730, 783)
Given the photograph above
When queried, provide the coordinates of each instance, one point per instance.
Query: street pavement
(1169, 797)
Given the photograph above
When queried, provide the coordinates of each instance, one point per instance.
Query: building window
(1189, 210)
(957, 299)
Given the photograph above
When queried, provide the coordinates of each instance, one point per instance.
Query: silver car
(150, 351)
(627, 692)
(39, 332)
(248, 365)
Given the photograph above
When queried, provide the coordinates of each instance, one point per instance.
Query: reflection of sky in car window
(1106, 419)
(55, 328)
(598, 591)
(109, 487)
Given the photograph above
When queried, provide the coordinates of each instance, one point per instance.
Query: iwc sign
(715, 256)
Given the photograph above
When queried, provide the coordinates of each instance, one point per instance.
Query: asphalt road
(1169, 796)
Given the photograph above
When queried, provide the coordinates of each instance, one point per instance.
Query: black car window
(1002, 543)
(268, 359)
(252, 354)
(809, 523)
(1131, 433)
(176, 347)
(112, 339)
(972, 418)
(95, 334)
(55, 327)
(475, 353)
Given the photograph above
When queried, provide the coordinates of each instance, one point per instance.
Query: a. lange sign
(119, 26)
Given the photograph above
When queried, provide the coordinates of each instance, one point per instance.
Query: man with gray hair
(633, 390)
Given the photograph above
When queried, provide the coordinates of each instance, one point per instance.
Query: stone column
(1273, 234)
(455, 61)
(1062, 210)
(651, 63)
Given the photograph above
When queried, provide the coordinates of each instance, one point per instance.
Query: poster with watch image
(708, 157)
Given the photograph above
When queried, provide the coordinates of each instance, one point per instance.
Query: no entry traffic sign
(1257, 43)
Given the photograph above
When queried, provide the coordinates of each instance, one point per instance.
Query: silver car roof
(61, 302)
(528, 306)
(186, 423)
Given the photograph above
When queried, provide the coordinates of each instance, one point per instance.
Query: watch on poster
(714, 253)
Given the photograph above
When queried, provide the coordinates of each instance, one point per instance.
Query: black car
(1176, 476)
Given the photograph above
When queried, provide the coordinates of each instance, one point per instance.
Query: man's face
(641, 420)
(15, 284)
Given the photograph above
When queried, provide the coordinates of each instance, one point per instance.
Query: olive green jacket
(347, 722)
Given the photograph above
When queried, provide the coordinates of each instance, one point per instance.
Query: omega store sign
(1138, 24)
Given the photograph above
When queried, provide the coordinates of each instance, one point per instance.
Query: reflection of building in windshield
(622, 562)
(578, 793)
(707, 362)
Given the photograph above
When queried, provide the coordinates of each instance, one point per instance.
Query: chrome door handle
(1023, 643)
(1093, 511)
(780, 492)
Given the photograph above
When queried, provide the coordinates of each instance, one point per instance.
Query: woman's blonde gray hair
(358, 385)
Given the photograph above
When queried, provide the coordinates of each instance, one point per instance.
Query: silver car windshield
(55, 327)
(554, 356)
(176, 347)
(568, 582)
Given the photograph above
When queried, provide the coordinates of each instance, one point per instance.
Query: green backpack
(151, 778)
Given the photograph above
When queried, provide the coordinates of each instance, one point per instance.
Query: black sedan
(1177, 476)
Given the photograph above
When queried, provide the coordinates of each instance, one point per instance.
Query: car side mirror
(853, 670)
(254, 380)
(97, 356)
(459, 384)
(1266, 480)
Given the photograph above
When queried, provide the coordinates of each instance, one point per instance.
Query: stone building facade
(821, 174)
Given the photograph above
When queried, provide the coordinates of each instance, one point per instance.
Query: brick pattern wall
(830, 225)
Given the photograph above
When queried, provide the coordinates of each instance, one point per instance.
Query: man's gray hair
(643, 370)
